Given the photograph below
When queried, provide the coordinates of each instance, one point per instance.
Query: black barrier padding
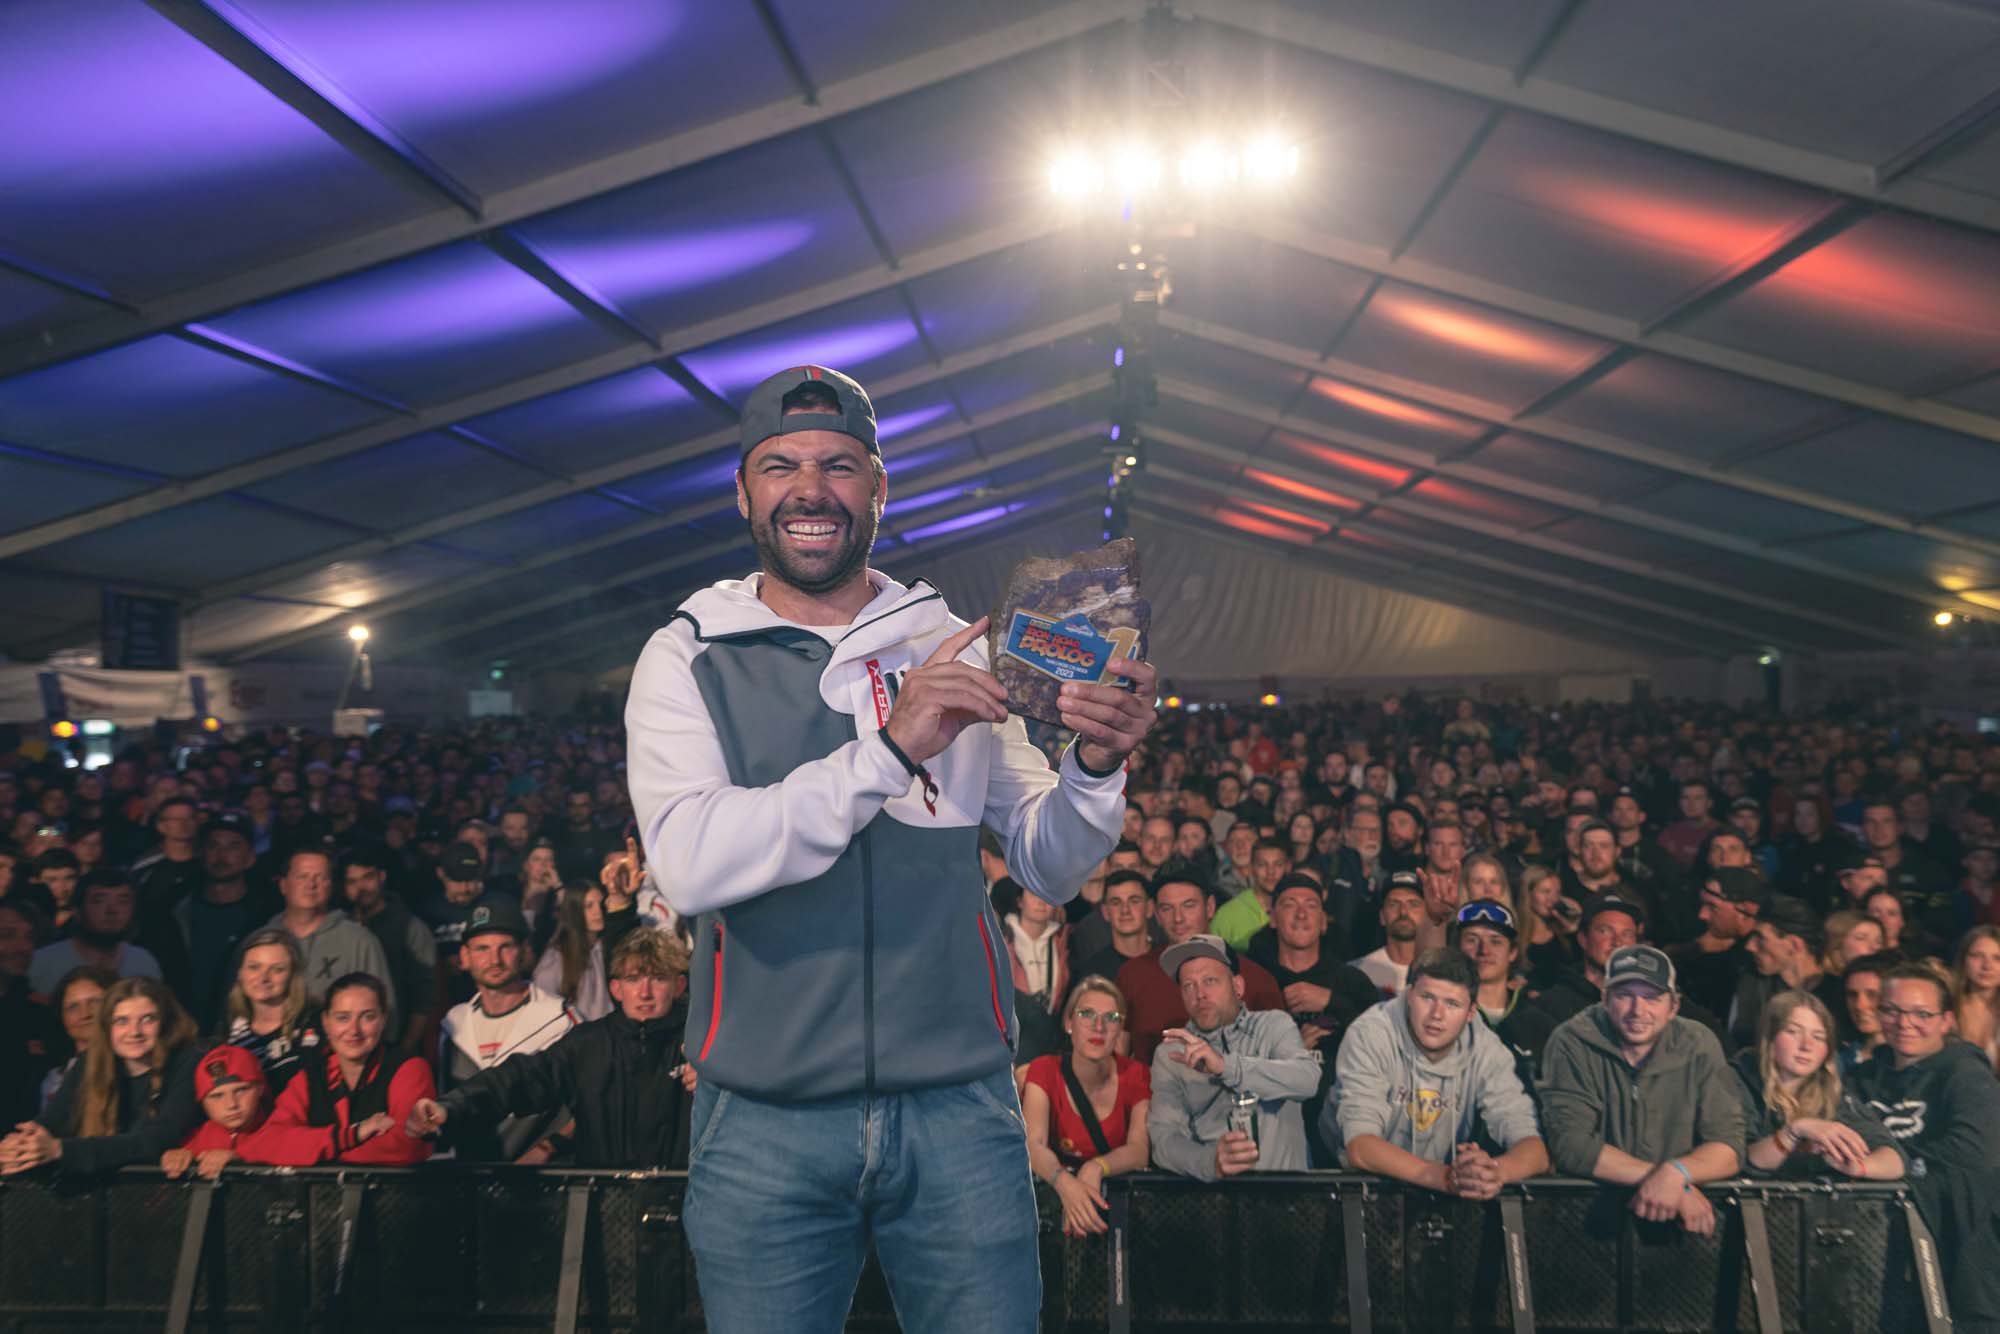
(472, 1250)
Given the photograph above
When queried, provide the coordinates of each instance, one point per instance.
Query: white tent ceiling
(1666, 327)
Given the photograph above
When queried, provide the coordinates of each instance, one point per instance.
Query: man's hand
(620, 876)
(1109, 722)
(1194, 1052)
(1473, 1174)
(1697, 1215)
(944, 697)
(1305, 998)
(426, 1118)
(1235, 1153)
(1440, 894)
(1658, 1198)
(1312, 1035)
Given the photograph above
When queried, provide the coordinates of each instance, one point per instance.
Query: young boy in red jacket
(230, 1084)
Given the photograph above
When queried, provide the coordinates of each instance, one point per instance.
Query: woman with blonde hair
(1849, 936)
(1797, 1111)
(1548, 933)
(131, 1097)
(1977, 971)
(1085, 1109)
(267, 1013)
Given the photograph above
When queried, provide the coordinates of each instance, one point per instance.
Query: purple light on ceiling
(432, 61)
(102, 98)
(925, 499)
(642, 267)
(452, 297)
(734, 367)
(961, 523)
(888, 427)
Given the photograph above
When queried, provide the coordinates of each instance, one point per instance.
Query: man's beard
(818, 574)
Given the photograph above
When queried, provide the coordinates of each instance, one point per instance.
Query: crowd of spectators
(287, 948)
(1453, 944)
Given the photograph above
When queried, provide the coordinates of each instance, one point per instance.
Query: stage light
(1206, 166)
(358, 633)
(62, 729)
(1942, 619)
(1268, 700)
(1117, 359)
(1173, 701)
(1131, 460)
(211, 724)
(1135, 169)
(1114, 431)
(1268, 159)
(1764, 660)
(1074, 174)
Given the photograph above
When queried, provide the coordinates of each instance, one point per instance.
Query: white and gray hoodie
(1384, 1085)
(845, 941)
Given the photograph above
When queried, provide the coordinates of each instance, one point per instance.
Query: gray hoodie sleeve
(1170, 1124)
(1358, 1103)
(1287, 1071)
(368, 957)
(1505, 1107)
(1572, 1105)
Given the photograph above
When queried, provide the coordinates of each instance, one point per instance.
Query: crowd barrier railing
(518, 1248)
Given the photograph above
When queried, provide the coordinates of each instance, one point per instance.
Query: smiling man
(812, 752)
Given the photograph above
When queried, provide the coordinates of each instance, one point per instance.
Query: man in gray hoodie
(1227, 1089)
(1418, 1079)
(1634, 1095)
(333, 943)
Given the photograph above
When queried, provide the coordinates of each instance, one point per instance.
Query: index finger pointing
(958, 643)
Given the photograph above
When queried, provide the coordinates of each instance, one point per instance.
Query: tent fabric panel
(135, 158)
(1692, 410)
(595, 424)
(1003, 295)
(398, 484)
(736, 231)
(1603, 222)
(1896, 301)
(162, 405)
(1869, 462)
(502, 91)
(426, 329)
(1854, 79)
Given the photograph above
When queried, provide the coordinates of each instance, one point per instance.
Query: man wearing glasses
(1938, 1097)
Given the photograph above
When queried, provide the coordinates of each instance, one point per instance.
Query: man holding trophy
(812, 752)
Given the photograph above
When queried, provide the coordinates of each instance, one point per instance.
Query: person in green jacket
(1634, 1095)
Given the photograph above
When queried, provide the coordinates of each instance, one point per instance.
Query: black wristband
(1077, 750)
(916, 770)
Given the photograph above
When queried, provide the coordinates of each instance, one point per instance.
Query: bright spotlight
(1269, 159)
(1206, 167)
(1268, 700)
(1135, 169)
(358, 633)
(211, 724)
(1173, 701)
(1074, 174)
(1764, 660)
(1942, 619)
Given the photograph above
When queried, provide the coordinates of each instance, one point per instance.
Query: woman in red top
(359, 1080)
(1061, 1149)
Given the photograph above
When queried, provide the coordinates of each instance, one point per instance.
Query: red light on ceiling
(1668, 221)
(1317, 495)
(1250, 523)
(1283, 515)
(1395, 409)
(1898, 289)
(1484, 334)
(1388, 474)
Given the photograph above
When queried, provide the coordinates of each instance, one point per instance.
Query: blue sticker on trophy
(1070, 650)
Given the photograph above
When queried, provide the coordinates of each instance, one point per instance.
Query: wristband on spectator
(1787, 1139)
(1686, 1175)
(917, 771)
(1089, 772)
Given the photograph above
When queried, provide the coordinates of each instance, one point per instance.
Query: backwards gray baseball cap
(764, 411)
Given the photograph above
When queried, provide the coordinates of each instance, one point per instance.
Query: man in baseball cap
(1610, 921)
(817, 733)
(507, 1016)
(1634, 1095)
(1228, 1061)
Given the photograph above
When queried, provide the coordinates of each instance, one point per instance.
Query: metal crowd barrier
(328, 1249)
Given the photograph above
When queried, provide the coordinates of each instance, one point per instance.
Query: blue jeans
(784, 1199)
